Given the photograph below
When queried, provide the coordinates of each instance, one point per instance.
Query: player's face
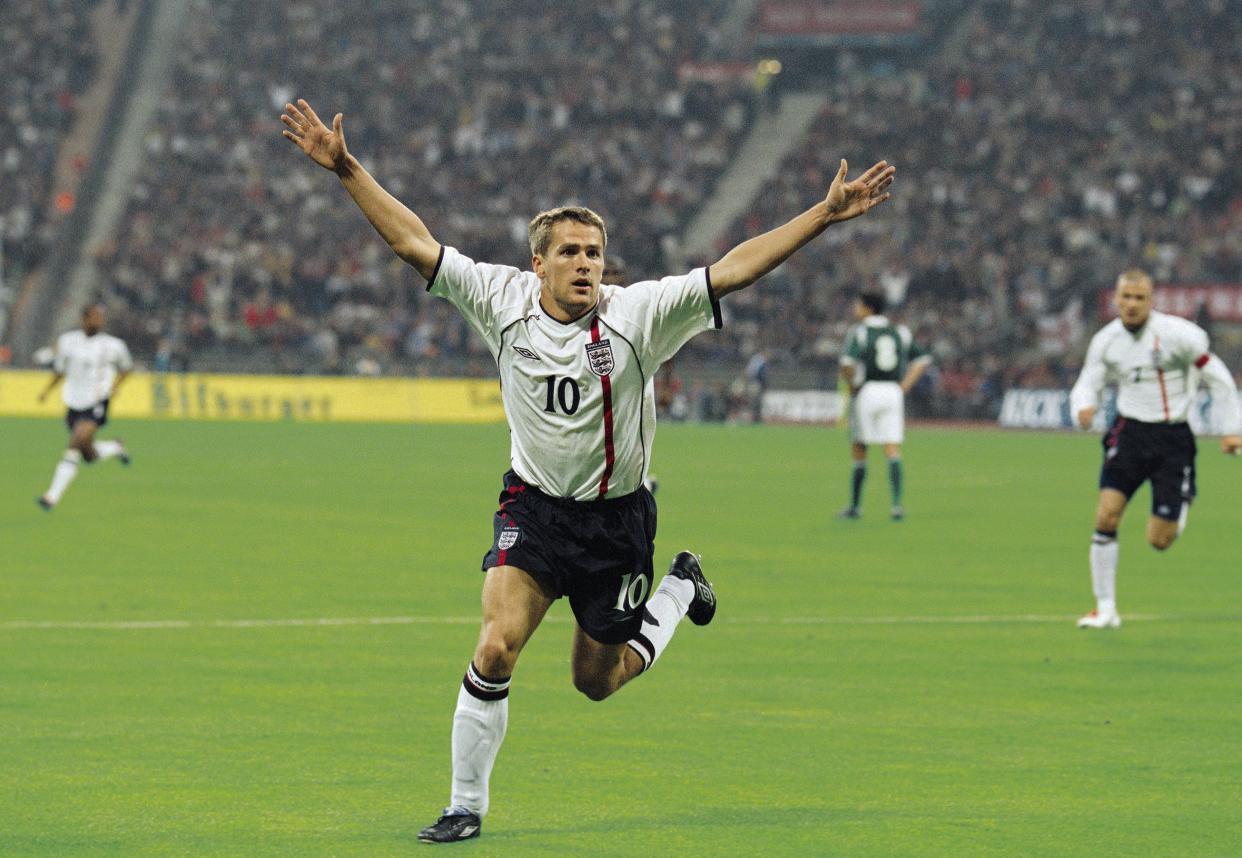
(1133, 300)
(861, 310)
(93, 320)
(571, 270)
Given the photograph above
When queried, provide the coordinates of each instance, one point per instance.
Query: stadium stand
(1035, 164)
(47, 58)
(231, 247)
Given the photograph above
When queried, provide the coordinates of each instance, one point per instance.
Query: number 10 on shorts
(633, 591)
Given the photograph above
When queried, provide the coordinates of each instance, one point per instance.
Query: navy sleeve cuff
(711, 296)
(435, 272)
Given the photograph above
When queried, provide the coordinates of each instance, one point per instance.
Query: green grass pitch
(867, 688)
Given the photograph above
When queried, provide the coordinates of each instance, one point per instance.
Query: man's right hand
(1085, 416)
(325, 146)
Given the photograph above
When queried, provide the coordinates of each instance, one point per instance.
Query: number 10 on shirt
(565, 393)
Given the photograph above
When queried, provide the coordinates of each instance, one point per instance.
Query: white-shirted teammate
(92, 365)
(576, 361)
(881, 363)
(1157, 362)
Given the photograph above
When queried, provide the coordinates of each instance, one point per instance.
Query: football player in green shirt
(881, 363)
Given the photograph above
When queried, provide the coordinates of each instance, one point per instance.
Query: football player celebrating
(576, 361)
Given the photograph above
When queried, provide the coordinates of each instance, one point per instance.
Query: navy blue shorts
(1164, 453)
(98, 413)
(598, 553)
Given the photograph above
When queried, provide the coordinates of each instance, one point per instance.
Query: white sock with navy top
(664, 610)
(108, 449)
(1104, 553)
(63, 475)
(478, 729)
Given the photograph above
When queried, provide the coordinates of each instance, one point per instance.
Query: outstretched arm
(755, 257)
(401, 228)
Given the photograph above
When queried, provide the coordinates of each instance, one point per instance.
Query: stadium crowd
(478, 120)
(1035, 165)
(47, 58)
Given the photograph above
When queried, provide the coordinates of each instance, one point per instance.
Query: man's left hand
(847, 200)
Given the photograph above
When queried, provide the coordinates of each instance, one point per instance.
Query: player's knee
(496, 656)
(595, 688)
(1161, 541)
(1108, 522)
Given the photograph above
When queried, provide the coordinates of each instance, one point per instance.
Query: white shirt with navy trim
(1158, 370)
(90, 366)
(579, 396)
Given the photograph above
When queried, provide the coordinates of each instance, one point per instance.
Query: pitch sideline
(148, 625)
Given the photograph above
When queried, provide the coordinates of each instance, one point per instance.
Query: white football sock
(667, 605)
(478, 729)
(108, 449)
(1104, 552)
(63, 475)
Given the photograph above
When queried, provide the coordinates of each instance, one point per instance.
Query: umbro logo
(526, 353)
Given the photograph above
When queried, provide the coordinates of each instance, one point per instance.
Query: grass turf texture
(791, 726)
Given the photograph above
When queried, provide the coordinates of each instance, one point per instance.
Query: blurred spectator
(1043, 148)
(478, 112)
(757, 383)
(1061, 143)
(47, 58)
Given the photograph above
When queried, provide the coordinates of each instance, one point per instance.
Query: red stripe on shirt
(1164, 394)
(610, 457)
(1203, 360)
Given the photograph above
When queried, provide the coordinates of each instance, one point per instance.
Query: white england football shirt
(1157, 371)
(579, 396)
(90, 366)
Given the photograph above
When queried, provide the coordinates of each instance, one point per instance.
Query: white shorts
(878, 414)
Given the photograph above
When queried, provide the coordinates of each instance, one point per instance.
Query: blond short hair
(540, 228)
(1136, 276)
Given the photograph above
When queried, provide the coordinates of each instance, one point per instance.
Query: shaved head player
(1158, 362)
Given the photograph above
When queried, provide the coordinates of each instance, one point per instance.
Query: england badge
(599, 356)
(508, 538)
